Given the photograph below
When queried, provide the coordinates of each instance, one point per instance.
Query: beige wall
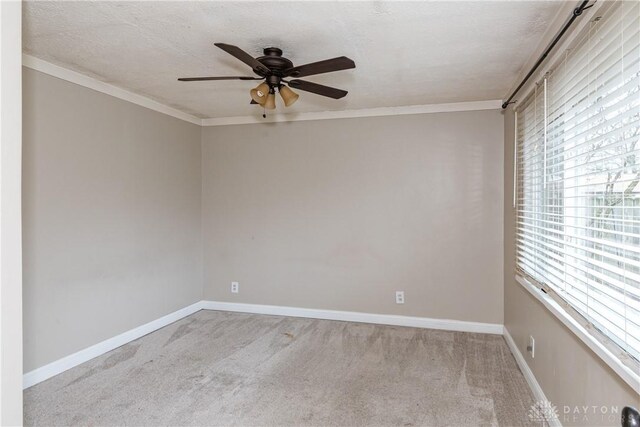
(339, 214)
(111, 211)
(568, 371)
(335, 214)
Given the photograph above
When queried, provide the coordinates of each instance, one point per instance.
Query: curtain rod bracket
(578, 10)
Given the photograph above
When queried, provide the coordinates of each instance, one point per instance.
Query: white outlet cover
(399, 297)
(235, 287)
(532, 344)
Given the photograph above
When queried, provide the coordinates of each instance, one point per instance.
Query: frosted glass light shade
(270, 103)
(260, 93)
(288, 96)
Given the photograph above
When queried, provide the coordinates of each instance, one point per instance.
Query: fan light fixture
(260, 93)
(288, 96)
(264, 94)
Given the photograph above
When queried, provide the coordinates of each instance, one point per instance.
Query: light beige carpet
(215, 368)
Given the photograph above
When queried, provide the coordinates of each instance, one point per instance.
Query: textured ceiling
(406, 53)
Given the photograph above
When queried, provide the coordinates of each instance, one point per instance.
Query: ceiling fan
(273, 68)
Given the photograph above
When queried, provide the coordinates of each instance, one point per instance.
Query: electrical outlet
(531, 347)
(235, 287)
(399, 297)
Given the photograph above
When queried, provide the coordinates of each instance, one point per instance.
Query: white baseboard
(352, 316)
(528, 375)
(54, 368)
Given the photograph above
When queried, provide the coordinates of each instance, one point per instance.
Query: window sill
(625, 372)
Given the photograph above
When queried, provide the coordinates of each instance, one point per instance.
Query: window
(578, 179)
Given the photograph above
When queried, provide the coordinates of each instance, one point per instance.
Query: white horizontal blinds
(530, 235)
(578, 194)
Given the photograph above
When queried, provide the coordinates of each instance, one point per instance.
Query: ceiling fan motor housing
(274, 60)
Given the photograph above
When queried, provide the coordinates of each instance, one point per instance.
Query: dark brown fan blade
(244, 57)
(320, 67)
(331, 92)
(253, 102)
(200, 79)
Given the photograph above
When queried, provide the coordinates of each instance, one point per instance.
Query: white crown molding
(352, 316)
(99, 86)
(537, 391)
(364, 112)
(54, 368)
